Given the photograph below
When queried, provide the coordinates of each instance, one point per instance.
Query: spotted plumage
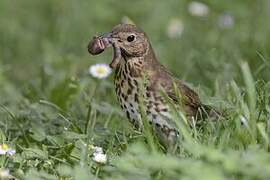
(140, 79)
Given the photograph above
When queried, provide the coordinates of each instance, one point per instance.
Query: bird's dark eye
(130, 38)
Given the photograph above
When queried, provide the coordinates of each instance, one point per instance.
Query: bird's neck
(137, 66)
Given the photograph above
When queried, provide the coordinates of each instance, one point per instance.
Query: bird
(140, 79)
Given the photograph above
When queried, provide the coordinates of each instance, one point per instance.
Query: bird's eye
(130, 38)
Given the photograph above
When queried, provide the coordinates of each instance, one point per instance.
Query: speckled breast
(128, 91)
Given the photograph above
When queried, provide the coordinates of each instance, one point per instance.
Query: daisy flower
(175, 28)
(98, 155)
(6, 150)
(196, 8)
(100, 71)
(100, 158)
(97, 149)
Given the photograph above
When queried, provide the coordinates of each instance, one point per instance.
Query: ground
(52, 111)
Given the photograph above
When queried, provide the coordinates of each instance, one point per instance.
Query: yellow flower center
(4, 147)
(100, 70)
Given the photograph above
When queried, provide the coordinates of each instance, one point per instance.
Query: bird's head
(128, 41)
(131, 40)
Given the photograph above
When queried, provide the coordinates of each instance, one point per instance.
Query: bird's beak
(107, 35)
(100, 43)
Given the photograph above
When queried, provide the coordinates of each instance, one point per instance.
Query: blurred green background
(47, 95)
(35, 34)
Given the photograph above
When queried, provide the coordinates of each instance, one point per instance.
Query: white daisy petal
(100, 158)
(2, 152)
(100, 71)
(196, 8)
(98, 155)
(98, 149)
(6, 150)
(11, 152)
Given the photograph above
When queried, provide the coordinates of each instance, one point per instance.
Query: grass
(52, 110)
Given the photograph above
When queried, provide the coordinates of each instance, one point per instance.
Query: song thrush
(134, 61)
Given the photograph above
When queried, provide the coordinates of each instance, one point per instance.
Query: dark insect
(96, 46)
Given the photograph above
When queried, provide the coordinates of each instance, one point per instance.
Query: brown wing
(192, 103)
(190, 99)
(159, 76)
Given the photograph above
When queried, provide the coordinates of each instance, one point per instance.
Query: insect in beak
(99, 43)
